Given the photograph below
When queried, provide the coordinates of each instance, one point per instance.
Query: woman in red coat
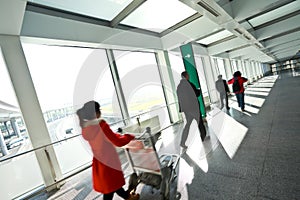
(108, 177)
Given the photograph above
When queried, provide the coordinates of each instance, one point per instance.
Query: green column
(190, 66)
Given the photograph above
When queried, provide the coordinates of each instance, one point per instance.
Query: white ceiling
(262, 30)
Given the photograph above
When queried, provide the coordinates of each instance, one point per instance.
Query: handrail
(38, 148)
(65, 139)
(61, 180)
(141, 114)
(87, 167)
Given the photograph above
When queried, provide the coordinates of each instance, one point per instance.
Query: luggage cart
(150, 168)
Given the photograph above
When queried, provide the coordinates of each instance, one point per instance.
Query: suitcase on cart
(148, 167)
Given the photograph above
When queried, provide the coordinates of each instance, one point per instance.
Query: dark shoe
(243, 110)
(133, 196)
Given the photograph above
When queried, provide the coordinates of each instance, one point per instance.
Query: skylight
(102, 9)
(158, 15)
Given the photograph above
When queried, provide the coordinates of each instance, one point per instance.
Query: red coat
(107, 173)
(241, 81)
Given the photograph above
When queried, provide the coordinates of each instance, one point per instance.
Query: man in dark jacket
(222, 87)
(188, 104)
(237, 76)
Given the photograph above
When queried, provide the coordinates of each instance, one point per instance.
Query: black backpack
(236, 86)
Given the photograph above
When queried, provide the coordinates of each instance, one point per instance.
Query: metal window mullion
(118, 85)
(171, 79)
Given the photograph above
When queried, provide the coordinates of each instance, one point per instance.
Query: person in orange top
(107, 174)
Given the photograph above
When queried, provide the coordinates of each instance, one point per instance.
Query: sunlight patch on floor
(229, 132)
(249, 109)
(255, 101)
(196, 150)
(257, 93)
(258, 89)
(264, 85)
(185, 177)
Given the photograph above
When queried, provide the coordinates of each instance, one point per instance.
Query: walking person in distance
(238, 88)
(222, 88)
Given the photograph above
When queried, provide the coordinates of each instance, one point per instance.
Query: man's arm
(226, 86)
(231, 81)
(197, 91)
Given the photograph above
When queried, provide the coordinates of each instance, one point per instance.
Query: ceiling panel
(286, 55)
(274, 14)
(282, 39)
(244, 9)
(242, 52)
(226, 46)
(190, 33)
(293, 50)
(274, 29)
(285, 46)
(215, 37)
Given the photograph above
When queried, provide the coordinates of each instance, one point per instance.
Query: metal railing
(85, 168)
(71, 137)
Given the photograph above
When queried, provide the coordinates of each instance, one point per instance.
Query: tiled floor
(250, 155)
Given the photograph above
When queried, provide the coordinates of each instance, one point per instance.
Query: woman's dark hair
(237, 74)
(88, 111)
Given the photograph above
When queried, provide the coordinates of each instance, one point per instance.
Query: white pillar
(2, 144)
(228, 69)
(15, 126)
(211, 77)
(247, 68)
(27, 98)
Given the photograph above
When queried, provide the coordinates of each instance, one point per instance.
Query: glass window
(221, 68)
(248, 70)
(202, 79)
(227, 67)
(13, 134)
(244, 73)
(65, 78)
(141, 84)
(252, 70)
(22, 173)
(176, 65)
(177, 68)
(239, 66)
(233, 66)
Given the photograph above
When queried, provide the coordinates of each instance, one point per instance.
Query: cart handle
(147, 131)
